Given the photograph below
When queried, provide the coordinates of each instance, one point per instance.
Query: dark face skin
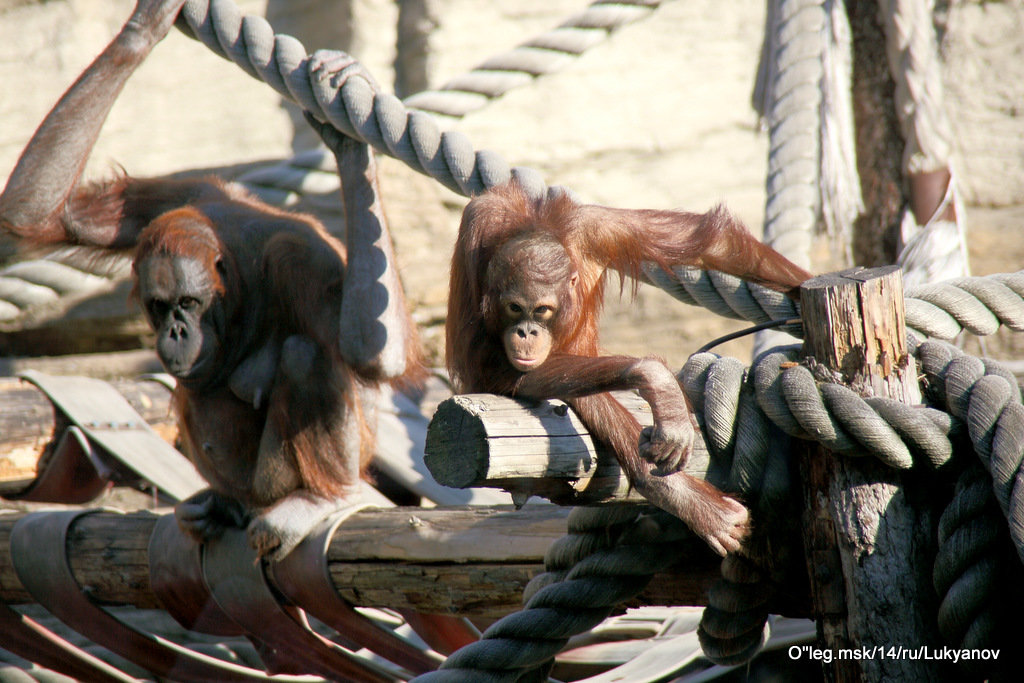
(175, 293)
(528, 312)
(529, 279)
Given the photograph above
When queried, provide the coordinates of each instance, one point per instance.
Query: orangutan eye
(543, 313)
(513, 309)
(157, 308)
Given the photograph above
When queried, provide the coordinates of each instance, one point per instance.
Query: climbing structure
(970, 423)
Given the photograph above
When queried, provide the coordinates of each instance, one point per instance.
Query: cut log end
(453, 430)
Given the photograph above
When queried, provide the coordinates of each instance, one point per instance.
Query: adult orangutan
(527, 286)
(271, 328)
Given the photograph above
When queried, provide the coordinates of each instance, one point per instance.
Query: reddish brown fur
(596, 238)
(255, 243)
(176, 234)
(246, 301)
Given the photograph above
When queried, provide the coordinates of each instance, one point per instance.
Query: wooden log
(109, 366)
(26, 413)
(869, 544)
(27, 422)
(483, 440)
(471, 561)
(877, 131)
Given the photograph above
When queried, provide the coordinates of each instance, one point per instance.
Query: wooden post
(869, 541)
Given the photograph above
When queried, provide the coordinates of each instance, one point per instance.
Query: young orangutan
(527, 286)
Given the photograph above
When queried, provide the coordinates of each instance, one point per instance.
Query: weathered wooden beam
(27, 421)
(483, 440)
(867, 527)
(27, 414)
(471, 561)
(111, 366)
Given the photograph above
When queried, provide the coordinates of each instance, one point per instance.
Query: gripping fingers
(335, 67)
(336, 141)
(666, 449)
(155, 17)
(206, 514)
(338, 67)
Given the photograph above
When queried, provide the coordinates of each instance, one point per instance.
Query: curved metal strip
(235, 576)
(39, 553)
(26, 638)
(70, 475)
(176, 576)
(106, 417)
(303, 577)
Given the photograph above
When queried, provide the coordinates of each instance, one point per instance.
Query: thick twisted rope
(790, 90)
(545, 54)
(858, 430)
(808, 404)
(280, 61)
(979, 397)
(834, 416)
(751, 459)
(357, 109)
(803, 95)
(42, 282)
(413, 137)
(542, 55)
(979, 304)
(914, 61)
(971, 566)
(988, 400)
(800, 404)
(382, 121)
(608, 556)
(804, 405)
(733, 627)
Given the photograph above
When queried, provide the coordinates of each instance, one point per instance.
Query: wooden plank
(28, 420)
(26, 414)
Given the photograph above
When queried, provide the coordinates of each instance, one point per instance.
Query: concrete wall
(658, 116)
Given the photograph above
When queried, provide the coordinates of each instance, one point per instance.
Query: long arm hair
(625, 238)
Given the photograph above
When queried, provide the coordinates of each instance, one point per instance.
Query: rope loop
(971, 566)
(357, 109)
(608, 556)
(976, 398)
